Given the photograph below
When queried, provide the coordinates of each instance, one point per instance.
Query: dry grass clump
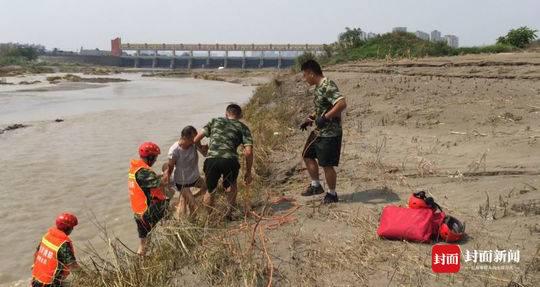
(272, 115)
(171, 246)
(205, 250)
(208, 76)
(494, 211)
(217, 252)
(220, 256)
(75, 79)
(532, 207)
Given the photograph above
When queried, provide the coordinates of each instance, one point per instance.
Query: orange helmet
(451, 230)
(147, 149)
(66, 221)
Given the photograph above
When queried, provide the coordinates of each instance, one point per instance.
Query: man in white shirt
(184, 161)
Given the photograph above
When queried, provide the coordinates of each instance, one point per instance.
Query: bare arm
(248, 154)
(203, 149)
(198, 138)
(172, 163)
(335, 111)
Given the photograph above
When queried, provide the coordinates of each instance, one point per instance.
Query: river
(80, 165)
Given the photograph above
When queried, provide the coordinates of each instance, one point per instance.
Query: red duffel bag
(411, 224)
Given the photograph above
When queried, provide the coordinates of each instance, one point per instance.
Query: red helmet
(66, 221)
(451, 230)
(147, 149)
(418, 200)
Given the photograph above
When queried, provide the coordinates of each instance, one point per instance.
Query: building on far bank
(399, 29)
(452, 41)
(94, 52)
(422, 35)
(436, 36)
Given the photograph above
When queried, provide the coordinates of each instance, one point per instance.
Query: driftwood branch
(474, 133)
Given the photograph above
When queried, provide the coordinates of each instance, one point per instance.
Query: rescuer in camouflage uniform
(323, 148)
(225, 135)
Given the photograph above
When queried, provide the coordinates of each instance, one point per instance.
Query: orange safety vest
(136, 194)
(46, 262)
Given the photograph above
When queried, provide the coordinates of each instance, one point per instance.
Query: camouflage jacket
(326, 95)
(225, 135)
(147, 179)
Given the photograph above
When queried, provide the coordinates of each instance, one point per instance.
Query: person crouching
(55, 256)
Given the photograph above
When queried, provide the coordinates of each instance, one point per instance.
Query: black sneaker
(330, 198)
(313, 190)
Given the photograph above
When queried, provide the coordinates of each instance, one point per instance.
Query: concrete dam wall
(173, 63)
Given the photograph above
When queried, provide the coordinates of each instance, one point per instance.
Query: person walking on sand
(55, 256)
(225, 135)
(148, 200)
(184, 161)
(323, 146)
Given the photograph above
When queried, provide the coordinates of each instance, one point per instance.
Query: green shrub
(11, 54)
(406, 45)
(396, 45)
(520, 37)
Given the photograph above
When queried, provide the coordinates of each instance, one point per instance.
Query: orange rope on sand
(278, 220)
(270, 263)
(270, 223)
(274, 222)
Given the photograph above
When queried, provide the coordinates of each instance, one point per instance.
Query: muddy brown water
(80, 165)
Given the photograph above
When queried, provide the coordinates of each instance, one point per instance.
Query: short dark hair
(312, 65)
(188, 132)
(234, 110)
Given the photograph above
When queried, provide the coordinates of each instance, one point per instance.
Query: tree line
(350, 45)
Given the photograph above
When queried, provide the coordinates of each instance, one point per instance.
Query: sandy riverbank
(465, 129)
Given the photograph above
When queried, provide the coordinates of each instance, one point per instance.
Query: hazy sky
(70, 24)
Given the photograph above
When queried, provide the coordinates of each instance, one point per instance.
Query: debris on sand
(101, 71)
(16, 70)
(511, 117)
(173, 74)
(75, 79)
(54, 79)
(29, 83)
(208, 77)
(13, 127)
(58, 120)
(12, 70)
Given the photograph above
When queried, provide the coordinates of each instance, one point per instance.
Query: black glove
(307, 123)
(321, 121)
